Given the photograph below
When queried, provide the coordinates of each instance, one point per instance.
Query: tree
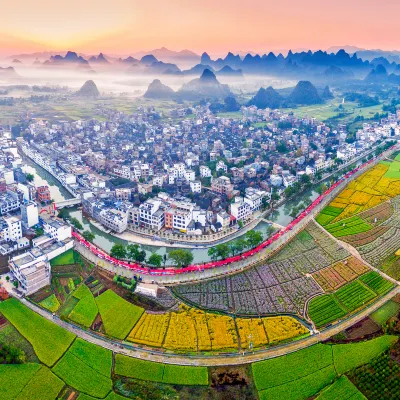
(240, 244)
(212, 253)
(76, 223)
(180, 257)
(15, 283)
(305, 179)
(222, 250)
(141, 257)
(240, 224)
(275, 196)
(118, 251)
(253, 238)
(63, 213)
(294, 212)
(155, 259)
(29, 177)
(89, 236)
(132, 251)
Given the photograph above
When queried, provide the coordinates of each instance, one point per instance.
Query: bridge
(68, 203)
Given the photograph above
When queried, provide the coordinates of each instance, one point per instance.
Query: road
(226, 359)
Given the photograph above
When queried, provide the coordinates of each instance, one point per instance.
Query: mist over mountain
(88, 90)
(158, 90)
(305, 93)
(267, 98)
(205, 86)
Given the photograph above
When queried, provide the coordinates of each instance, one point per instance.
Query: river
(103, 239)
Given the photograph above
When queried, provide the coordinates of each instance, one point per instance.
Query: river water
(103, 239)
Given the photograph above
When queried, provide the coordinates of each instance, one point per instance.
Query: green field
(82, 377)
(157, 372)
(85, 312)
(354, 295)
(11, 337)
(291, 367)
(301, 375)
(51, 303)
(349, 356)
(117, 314)
(14, 378)
(376, 282)
(341, 389)
(387, 311)
(394, 169)
(43, 386)
(66, 258)
(328, 214)
(96, 357)
(350, 226)
(48, 339)
(324, 309)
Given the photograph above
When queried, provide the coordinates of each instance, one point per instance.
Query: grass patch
(96, 357)
(341, 389)
(48, 339)
(387, 311)
(66, 258)
(157, 372)
(118, 315)
(82, 377)
(43, 386)
(50, 303)
(349, 356)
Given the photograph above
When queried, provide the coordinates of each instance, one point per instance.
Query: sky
(215, 26)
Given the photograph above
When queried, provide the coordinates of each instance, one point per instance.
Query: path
(225, 359)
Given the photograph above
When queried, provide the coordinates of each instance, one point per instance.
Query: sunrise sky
(215, 26)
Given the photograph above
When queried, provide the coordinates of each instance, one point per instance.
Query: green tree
(118, 251)
(155, 259)
(89, 236)
(222, 250)
(294, 212)
(132, 251)
(141, 257)
(76, 223)
(253, 238)
(63, 213)
(240, 223)
(212, 253)
(180, 257)
(29, 177)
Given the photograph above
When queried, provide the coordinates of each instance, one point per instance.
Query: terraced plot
(325, 309)
(353, 295)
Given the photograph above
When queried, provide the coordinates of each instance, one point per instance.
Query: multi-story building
(9, 202)
(56, 229)
(43, 194)
(151, 215)
(29, 214)
(195, 186)
(222, 185)
(205, 172)
(240, 209)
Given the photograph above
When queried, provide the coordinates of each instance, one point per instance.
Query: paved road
(228, 359)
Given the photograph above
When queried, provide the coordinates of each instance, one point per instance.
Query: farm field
(328, 308)
(341, 389)
(117, 314)
(340, 273)
(66, 258)
(48, 340)
(378, 379)
(167, 373)
(282, 284)
(85, 311)
(367, 191)
(303, 374)
(51, 303)
(387, 311)
(193, 330)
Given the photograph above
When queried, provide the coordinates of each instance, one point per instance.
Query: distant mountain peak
(208, 76)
